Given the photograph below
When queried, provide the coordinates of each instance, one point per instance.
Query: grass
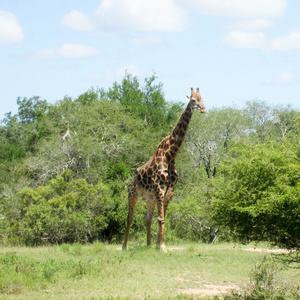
(101, 271)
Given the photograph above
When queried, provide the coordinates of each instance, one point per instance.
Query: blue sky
(233, 50)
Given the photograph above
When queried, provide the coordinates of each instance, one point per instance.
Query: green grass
(101, 271)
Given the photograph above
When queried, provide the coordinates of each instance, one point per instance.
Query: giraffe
(155, 180)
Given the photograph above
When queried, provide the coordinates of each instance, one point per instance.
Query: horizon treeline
(65, 169)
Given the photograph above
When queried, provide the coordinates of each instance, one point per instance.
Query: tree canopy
(65, 168)
(259, 198)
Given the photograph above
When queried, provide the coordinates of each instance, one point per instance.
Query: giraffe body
(155, 180)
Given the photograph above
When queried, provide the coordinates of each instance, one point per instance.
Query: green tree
(286, 122)
(29, 110)
(271, 122)
(211, 135)
(63, 211)
(93, 140)
(147, 102)
(189, 215)
(259, 198)
(262, 117)
(11, 146)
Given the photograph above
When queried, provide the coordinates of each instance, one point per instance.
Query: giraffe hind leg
(132, 200)
(148, 217)
(167, 199)
(161, 219)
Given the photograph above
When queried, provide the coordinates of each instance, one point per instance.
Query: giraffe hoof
(162, 248)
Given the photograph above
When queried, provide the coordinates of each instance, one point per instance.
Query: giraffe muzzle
(202, 110)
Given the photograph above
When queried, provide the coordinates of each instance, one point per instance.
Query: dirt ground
(209, 290)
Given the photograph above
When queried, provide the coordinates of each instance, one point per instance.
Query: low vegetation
(101, 271)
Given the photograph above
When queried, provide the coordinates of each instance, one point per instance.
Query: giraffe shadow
(141, 249)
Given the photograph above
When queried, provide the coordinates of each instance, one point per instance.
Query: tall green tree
(147, 102)
(259, 196)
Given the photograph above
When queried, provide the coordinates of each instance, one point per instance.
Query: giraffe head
(197, 101)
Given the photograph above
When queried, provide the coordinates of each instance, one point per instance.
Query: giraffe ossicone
(155, 180)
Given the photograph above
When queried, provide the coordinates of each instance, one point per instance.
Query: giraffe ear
(188, 98)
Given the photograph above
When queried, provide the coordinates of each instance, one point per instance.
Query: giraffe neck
(179, 131)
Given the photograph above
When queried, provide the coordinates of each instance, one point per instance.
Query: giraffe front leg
(161, 221)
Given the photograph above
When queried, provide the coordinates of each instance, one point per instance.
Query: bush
(64, 211)
(189, 220)
(259, 198)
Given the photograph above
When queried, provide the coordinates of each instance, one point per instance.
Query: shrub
(63, 211)
(259, 198)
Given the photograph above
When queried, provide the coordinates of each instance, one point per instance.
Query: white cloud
(146, 15)
(245, 39)
(77, 51)
(147, 41)
(67, 51)
(285, 77)
(45, 54)
(10, 30)
(253, 24)
(254, 17)
(253, 39)
(76, 20)
(285, 43)
(239, 8)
